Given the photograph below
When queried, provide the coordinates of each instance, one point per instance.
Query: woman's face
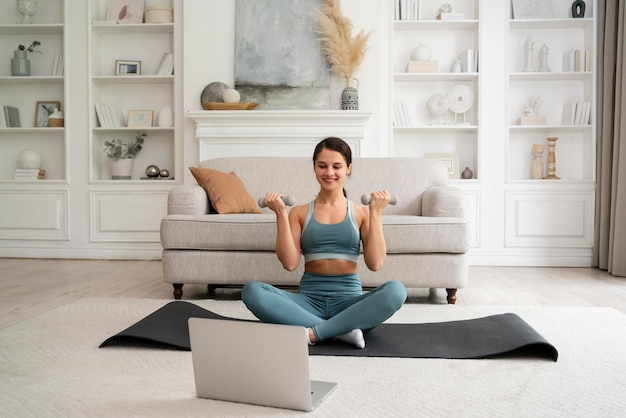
(331, 170)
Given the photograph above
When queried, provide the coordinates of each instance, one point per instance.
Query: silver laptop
(255, 363)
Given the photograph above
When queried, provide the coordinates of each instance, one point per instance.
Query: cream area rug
(51, 365)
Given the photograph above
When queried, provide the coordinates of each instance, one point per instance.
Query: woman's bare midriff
(330, 266)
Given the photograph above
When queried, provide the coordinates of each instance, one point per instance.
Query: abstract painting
(279, 62)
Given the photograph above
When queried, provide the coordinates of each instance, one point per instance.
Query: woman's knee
(396, 292)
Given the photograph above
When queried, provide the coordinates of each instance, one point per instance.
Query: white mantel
(291, 133)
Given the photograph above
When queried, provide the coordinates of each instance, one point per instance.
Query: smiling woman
(328, 232)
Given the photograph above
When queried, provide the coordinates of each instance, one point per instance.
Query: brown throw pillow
(226, 191)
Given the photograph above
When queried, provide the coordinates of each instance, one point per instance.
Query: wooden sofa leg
(178, 290)
(451, 296)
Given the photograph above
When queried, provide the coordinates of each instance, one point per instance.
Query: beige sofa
(426, 232)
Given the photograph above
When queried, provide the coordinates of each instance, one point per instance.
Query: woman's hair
(334, 144)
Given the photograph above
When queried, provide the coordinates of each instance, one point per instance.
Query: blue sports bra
(330, 241)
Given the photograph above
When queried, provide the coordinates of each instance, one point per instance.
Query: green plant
(31, 48)
(118, 150)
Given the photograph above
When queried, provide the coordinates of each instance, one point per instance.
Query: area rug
(50, 365)
(484, 337)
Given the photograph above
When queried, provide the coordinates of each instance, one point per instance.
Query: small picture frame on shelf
(125, 11)
(43, 109)
(127, 67)
(450, 160)
(140, 118)
(535, 9)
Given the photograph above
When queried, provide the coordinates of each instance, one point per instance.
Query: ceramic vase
(467, 174)
(350, 95)
(20, 64)
(27, 9)
(578, 9)
(121, 169)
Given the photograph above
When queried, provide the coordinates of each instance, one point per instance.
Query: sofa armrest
(445, 201)
(187, 200)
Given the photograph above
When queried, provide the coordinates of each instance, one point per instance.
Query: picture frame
(451, 161)
(123, 67)
(43, 109)
(140, 118)
(531, 9)
(125, 11)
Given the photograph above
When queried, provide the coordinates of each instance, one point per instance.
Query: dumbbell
(367, 198)
(289, 201)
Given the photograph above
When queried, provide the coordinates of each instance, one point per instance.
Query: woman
(327, 231)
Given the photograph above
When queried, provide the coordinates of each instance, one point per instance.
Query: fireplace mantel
(274, 133)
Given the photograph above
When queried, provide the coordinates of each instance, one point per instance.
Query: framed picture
(451, 162)
(127, 67)
(532, 9)
(139, 118)
(43, 109)
(125, 11)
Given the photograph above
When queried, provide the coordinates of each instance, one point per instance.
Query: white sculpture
(533, 106)
(460, 100)
(528, 54)
(543, 59)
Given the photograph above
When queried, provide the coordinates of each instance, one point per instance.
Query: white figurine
(528, 54)
(543, 59)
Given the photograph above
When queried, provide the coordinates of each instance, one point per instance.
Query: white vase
(121, 169)
(166, 117)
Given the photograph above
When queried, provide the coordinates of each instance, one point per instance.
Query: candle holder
(551, 159)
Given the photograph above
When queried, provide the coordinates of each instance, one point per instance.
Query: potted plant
(20, 64)
(122, 155)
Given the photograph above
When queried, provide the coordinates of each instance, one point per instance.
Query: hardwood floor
(29, 287)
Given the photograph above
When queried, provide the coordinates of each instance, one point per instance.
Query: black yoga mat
(486, 337)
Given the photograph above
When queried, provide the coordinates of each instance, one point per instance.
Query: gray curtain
(609, 251)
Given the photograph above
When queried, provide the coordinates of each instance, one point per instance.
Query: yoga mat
(486, 337)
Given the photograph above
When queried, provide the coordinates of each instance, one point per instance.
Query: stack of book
(469, 60)
(29, 174)
(9, 117)
(109, 116)
(406, 9)
(404, 115)
(57, 67)
(577, 113)
(577, 60)
(166, 66)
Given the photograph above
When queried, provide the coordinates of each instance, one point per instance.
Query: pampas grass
(345, 53)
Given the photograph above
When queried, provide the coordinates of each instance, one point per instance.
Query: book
(10, 117)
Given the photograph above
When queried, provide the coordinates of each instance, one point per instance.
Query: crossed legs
(327, 315)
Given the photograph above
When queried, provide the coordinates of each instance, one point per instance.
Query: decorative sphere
(164, 173)
(214, 92)
(29, 158)
(152, 171)
(231, 96)
(420, 53)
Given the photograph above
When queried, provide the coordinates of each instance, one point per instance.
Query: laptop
(255, 363)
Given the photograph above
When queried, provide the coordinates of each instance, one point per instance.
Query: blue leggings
(331, 305)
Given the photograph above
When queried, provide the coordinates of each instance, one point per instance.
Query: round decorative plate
(438, 104)
(460, 98)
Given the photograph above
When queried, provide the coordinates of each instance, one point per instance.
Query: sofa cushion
(226, 191)
(403, 233)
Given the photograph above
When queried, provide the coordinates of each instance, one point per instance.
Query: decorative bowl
(229, 106)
